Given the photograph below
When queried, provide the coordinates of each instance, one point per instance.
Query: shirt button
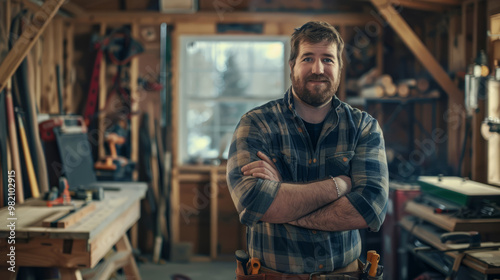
(314, 232)
(320, 266)
(310, 161)
(275, 160)
(344, 159)
(300, 130)
(314, 160)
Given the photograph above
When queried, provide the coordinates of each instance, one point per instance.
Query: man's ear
(291, 64)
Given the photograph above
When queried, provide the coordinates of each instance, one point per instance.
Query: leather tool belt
(350, 272)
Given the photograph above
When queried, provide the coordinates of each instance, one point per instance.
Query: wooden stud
(69, 105)
(103, 93)
(134, 104)
(214, 191)
(175, 207)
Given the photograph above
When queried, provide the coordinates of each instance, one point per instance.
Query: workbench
(77, 249)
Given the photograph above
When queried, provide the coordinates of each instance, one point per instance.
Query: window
(221, 78)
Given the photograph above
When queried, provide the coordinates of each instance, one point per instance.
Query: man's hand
(264, 169)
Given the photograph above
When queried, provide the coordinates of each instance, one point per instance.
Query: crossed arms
(315, 205)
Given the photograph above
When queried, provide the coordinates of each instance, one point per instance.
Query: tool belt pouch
(240, 275)
(380, 277)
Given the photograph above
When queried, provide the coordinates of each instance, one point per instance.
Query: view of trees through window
(220, 81)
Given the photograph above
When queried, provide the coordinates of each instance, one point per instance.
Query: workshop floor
(193, 270)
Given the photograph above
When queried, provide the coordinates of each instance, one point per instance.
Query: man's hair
(315, 32)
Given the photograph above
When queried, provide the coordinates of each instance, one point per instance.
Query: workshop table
(78, 248)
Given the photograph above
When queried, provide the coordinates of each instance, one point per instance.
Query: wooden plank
(134, 104)
(103, 93)
(27, 39)
(214, 189)
(147, 18)
(455, 95)
(75, 217)
(175, 206)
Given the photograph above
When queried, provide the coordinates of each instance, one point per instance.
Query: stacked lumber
(374, 84)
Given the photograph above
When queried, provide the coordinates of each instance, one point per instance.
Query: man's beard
(319, 94)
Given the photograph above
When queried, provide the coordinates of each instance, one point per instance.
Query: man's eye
(308, 59)
(328, 60)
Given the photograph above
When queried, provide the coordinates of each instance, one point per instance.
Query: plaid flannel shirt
(351, 143)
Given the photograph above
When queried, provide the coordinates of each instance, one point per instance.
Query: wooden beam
(455, 95)
(69, 105)
(73, 9)
(145, 18)
(443, 2)
(419, 5)
(27, 39)
(68, 7)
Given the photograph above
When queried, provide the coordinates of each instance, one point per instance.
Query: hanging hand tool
(13, 143)
(373, 258)
(29, 163)
(108, 163)
(242, 259)
(255, 265)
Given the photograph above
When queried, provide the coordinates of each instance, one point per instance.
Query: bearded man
(307, 171)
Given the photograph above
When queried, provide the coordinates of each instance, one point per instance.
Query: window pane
(221, 81)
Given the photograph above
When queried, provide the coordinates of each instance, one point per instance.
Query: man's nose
(317, 67)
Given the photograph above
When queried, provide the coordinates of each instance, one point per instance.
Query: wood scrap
(375, 91)
(403, 90)
(66, 219)
(422, 84)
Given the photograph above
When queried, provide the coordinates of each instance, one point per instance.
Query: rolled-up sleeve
(369, 174)
(251, 196)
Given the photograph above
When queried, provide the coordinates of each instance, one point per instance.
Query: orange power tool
(59, 196)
